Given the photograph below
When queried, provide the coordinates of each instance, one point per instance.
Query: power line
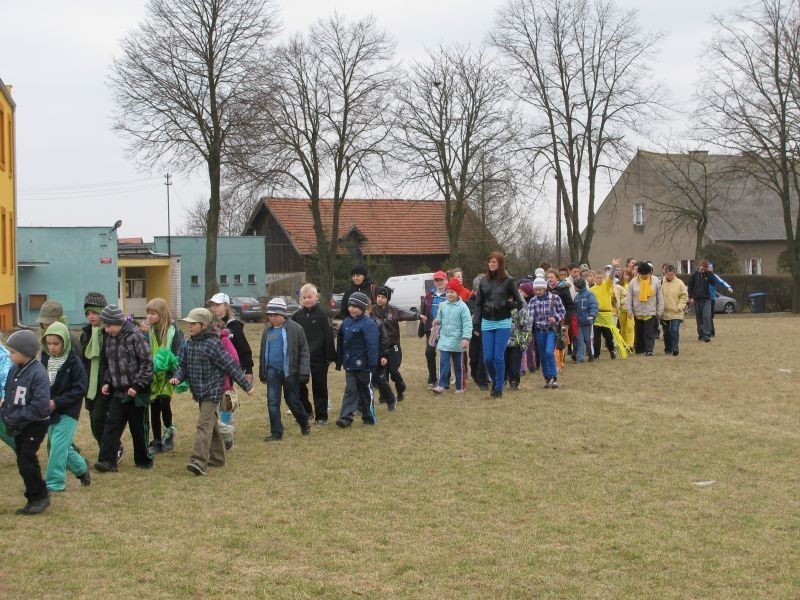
(87, 186)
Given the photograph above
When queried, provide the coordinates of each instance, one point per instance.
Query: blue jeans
(702, 314)
(583, 344)
(672, 334)
(277, 381)
(494, 354)
(445, 358)
(545, 348)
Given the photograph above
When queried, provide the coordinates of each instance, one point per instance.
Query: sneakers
(431, 386)
(193, 467)
(120, 452)
(155, 447)
(675, 353)
(513, 387)
(613, 354)
(104, 467)
(343, 424)
(321, 422)
(147, 465)
(86, 478)
(273, 438)
(648, 354)
(168, 444)
(393, 405)
(484, 388)
(35, 507)
(365, 422)
(305, 429)
(553, 384)
(228, 445)
(496, 393)
(437, 389)
(547, 383)
(459, 391)
(401, 389)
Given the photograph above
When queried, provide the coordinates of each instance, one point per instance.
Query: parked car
(722, 304)
(292, 305)
(335, 304)
(407, 290)
(246, 308)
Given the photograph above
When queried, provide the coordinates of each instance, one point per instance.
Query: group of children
(127, 373)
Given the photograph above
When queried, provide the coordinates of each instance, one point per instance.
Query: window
(10, 148)
(638, 215)
(35, 301)
(251, 279)
(686, 265)
(223, 280)
(2, 140)
(237, 279)
(195, 280)
(753, 266)
(4, 238)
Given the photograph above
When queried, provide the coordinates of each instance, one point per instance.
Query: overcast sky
(73, 170)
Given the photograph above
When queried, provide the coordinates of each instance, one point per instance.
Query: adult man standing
(700, 297)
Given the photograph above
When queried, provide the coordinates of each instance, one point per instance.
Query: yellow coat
(675, 298)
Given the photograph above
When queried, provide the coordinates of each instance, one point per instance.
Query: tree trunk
(212, 287)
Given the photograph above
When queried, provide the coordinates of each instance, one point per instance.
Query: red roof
(389, 226)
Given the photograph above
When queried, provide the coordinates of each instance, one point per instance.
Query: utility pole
(169, 228)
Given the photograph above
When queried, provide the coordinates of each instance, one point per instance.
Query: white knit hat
(277, 306)
(539, 283)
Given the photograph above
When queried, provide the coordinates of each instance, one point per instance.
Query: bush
(722, 256)
(777, 287)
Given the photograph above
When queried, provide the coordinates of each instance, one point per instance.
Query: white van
(407, 290)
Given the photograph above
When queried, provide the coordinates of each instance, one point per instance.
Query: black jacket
(319, 333)
(366, 287)
(69, 387)
(239, 341)
(698, 286)
(495, 298)
(390, 318)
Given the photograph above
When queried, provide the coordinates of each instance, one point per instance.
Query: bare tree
(748, 104)
(324, 122)
(235, 208)
(184, 89)
(454, 131)
(687, 190)
(582, 67)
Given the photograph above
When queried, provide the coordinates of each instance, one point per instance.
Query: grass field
(588, 491)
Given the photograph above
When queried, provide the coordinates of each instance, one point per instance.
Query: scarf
(645, 291)
(94, 348)
(164, 362)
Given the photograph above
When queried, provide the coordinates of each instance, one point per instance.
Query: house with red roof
(408, 233)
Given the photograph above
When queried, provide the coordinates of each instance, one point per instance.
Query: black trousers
(430, 359)
(513, 363)
(644, 335)
(319, 391)
(392, 369)
(607, 335)
(98, 413)
(119, 415)
(160, 408)
(380, 381)
(27, 444)
(477, 368)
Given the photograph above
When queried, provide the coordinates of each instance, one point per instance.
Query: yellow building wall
(8, 266)
(158, 283)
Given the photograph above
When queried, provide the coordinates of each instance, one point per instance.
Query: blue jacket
(27, 397)
(586, 306)
(357, 348)
(456, 325)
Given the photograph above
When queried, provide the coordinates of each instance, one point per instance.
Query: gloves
(303, 378)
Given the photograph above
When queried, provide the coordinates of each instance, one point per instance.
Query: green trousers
(5, 437)
(62, 455)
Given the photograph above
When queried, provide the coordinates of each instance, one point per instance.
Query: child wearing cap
(92, 341)
(127, 369)
(390, 317)
(26, 414)
(547, 312)
(357, 352)
(233, 329)
(428, 310)
(203, 365)
(284, 366)
(455, 331)
(67, 387)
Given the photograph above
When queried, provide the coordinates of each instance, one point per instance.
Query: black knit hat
(94, 300)
(112, 315)
(358, 270)
(358, 299)
(579, 283)
(383, 290)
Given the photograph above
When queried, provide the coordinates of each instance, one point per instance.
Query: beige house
(651, 211)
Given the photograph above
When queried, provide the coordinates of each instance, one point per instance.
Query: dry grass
(587, 491)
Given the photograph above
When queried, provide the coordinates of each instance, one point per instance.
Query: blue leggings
(494, 352)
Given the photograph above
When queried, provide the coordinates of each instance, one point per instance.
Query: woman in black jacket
(495, 296)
